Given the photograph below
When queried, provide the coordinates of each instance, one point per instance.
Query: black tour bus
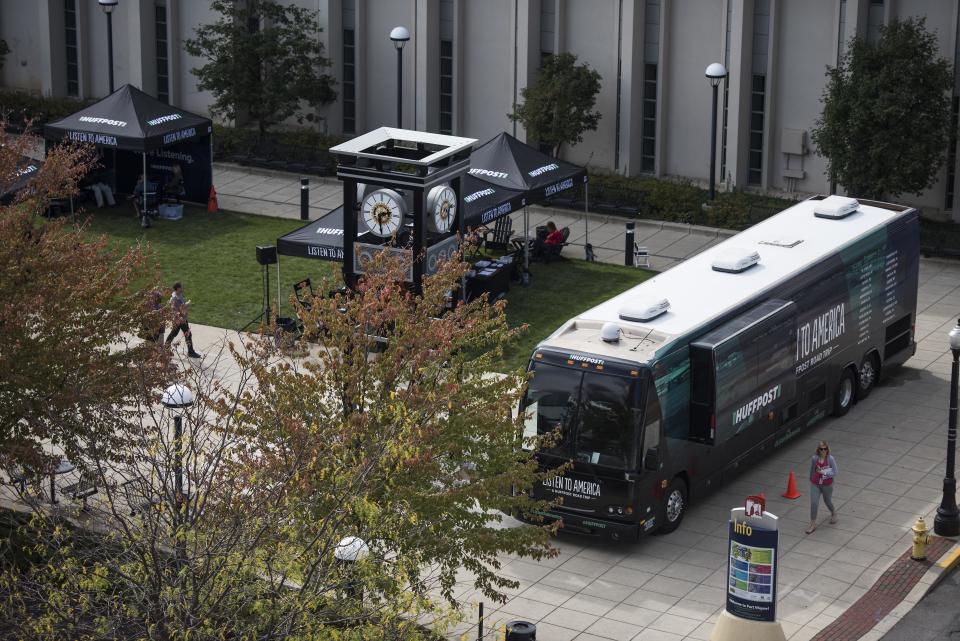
(666, 390)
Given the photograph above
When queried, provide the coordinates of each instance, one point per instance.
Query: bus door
(747, 364)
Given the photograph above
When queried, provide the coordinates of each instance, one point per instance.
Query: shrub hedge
(20, 106)
(680, 201)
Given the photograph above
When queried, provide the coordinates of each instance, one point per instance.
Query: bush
(22, 106)
(300, 145)
(680, 201)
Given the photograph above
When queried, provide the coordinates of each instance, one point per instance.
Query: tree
(412, 448)
(264, 59)
(557, 108)
(885, 123)
(68, 307)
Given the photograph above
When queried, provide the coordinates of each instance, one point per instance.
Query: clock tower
(402, 193)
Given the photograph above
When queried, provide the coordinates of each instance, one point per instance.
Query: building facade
(467, 61)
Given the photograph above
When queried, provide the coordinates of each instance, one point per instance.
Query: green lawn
(214, 256)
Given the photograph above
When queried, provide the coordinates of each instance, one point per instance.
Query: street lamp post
(947, 521)
(178, 398)
(715, 73)
(108, 6)
(399, 36)
(350, 551)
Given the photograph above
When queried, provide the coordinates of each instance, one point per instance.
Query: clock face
(383, 212)
(443, 208)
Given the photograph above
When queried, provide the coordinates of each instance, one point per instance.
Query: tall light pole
(177, 398)
(108, 6)
(715, 73)
(947, 521)
(399, 36)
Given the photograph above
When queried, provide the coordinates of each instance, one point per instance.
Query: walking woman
(823, 470)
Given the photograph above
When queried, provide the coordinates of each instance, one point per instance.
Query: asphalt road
(935, 618)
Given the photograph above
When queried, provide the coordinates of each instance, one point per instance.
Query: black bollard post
(480, 623)
(628, 246)
(304, 199)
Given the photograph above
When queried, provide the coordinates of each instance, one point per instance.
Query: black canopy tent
(129, 121)
(505, 175)
(27, 168)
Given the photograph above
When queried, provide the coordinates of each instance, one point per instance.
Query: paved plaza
(276, 193)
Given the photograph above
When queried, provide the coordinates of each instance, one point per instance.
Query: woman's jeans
(815, 492)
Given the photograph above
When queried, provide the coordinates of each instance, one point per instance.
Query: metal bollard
(304, 199)
(521, 631)
(628, 246)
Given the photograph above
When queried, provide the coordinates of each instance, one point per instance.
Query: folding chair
(641, 256)
(303, 290)
(554, 251)
(498, 239)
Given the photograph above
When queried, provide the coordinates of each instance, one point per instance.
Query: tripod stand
(264, 315)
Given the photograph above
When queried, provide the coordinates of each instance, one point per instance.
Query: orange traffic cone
(791, 492)
(212, 205)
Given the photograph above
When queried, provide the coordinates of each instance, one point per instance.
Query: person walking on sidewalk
(180, 309)
(823, 471)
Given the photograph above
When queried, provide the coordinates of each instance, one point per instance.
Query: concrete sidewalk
(275, 193)
(890, 450)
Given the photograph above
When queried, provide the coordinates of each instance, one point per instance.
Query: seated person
(101, 190)
(150, 188)
(548, 243)
(174, 190)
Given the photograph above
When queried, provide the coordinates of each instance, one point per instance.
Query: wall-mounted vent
(644, 310)
(835, 207)
(736, 260)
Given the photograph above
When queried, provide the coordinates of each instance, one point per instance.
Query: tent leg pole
(278, 286)
(145, 184)
(586, 212)
(526, 240)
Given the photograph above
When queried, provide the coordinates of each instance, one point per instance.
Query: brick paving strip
(886, 594)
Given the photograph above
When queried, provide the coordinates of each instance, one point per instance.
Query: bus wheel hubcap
(846, 392)
(866, 374)
(674, 505)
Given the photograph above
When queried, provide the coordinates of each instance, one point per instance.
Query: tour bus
(669, 389)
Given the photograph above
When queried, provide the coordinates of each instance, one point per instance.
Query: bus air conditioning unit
(735, 260)
(835, 207)
(644, 310)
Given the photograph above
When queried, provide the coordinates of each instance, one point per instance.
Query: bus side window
(651, 426)
(702, 400)
(776, 344)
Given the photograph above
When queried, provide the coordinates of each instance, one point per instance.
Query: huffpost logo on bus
(757, 404)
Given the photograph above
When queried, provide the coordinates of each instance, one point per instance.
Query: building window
(648, 142)
(163, 66)
(874, 21)
(73, 67)
(842, 30)
(349, 84)
(446, 66)
(548, 21)
(446, 86)
(757, 96)
(758, 90)
(651, 56)
(952, 155)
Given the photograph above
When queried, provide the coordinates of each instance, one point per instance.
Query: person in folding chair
(152, 200)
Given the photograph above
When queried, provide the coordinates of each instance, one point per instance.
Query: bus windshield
(595, 415)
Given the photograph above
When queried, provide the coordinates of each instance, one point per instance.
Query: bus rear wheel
(846, 391)
(867, 378)
(674, 506)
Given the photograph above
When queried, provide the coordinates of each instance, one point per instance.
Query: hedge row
(680, 201)
(20, 107)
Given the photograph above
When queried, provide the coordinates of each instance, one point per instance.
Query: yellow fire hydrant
(921, 538)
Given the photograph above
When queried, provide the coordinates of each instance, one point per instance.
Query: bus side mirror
(651, 460)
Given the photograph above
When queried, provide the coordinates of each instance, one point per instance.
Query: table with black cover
(491, 277)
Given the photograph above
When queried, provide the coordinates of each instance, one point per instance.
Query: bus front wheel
(674, 506)
(846, 392)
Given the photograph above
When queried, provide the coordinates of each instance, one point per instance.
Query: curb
(948, 562)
